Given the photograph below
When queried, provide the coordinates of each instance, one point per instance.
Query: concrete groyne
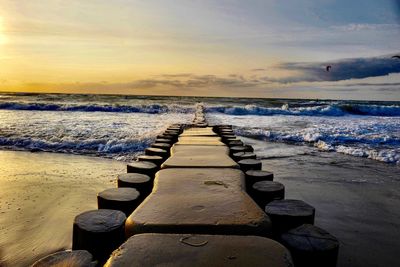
(198, 197)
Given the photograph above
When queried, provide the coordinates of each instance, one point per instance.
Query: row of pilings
(198, 196)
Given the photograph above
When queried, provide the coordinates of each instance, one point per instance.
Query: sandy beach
(356, 199)
(40, 195)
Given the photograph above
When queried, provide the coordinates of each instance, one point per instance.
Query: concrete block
(200, 251)
(206, 131)
(199, 200)
(191, 156)
(200, 140)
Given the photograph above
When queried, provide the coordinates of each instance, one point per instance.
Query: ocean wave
(45, 106)
(380, 148)
(88, 146)
(373, 137)
(317, 110)
(112, 135)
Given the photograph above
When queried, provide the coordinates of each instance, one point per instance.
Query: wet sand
(356, 199)
(40, 194)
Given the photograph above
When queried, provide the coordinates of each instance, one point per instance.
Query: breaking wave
(151, 108)
(317, 110)
(373, 137)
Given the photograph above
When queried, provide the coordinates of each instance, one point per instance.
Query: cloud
(390, 89)
(184, 82)
(373, 84)
(352, 27)
(345, 69)
(177, 75)
(299, 74)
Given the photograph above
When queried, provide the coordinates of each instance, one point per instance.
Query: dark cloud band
(355, 68)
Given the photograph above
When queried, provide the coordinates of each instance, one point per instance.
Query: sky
(252, 48)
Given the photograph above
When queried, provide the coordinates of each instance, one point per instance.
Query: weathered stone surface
(202, 156)
(99, 232)
(200, 140)
(311, 246)
(69, 258)
(289, 213)
(125, 199)
(199, 250)
(199, 200)
(264, 192)
(205, 131)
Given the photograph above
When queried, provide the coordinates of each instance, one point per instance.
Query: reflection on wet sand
(40, 195)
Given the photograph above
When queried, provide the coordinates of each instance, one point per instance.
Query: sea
(120, 127)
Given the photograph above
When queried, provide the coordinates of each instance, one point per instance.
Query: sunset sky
(255, 48)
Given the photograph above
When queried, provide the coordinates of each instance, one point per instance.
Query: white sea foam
(94, 107)
(374, 137)
(117, 135)
(319, 109)
(120, 126)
